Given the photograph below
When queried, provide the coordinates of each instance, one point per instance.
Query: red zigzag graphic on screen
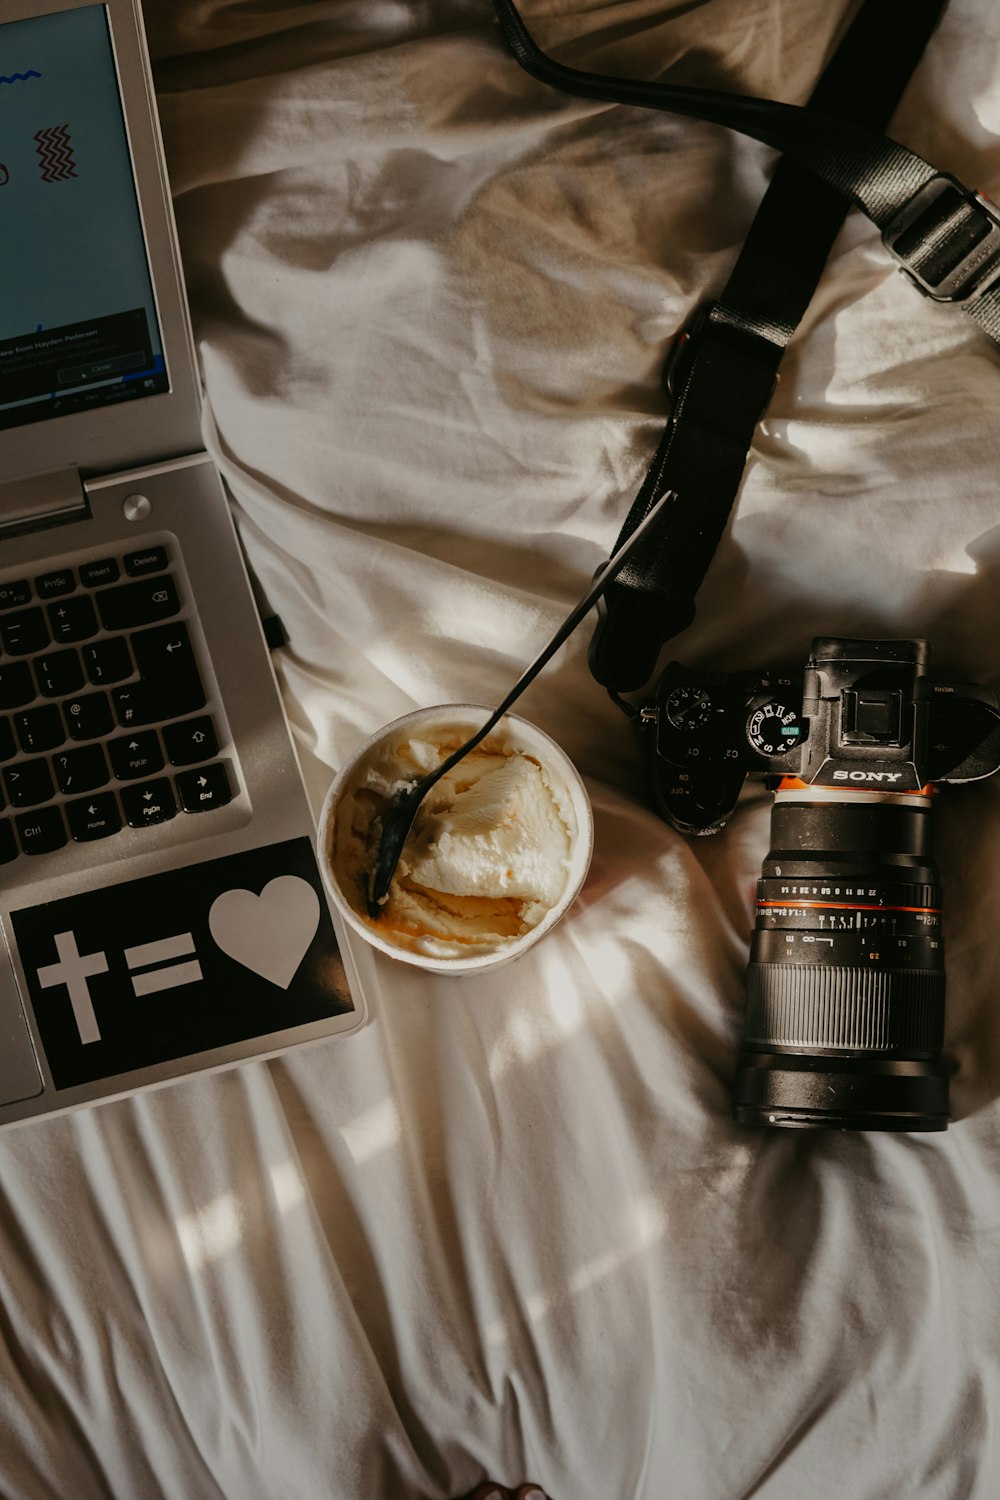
(55, 153)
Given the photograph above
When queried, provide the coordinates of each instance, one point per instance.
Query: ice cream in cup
(497, 853)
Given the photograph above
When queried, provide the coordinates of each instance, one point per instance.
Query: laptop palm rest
(19, 1075)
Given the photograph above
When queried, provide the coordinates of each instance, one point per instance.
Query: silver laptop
(159, 895)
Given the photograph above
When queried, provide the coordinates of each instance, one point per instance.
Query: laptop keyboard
(104, 719)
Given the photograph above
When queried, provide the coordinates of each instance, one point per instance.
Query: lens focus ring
(871, 1010)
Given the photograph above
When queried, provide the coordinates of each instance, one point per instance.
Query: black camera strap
(723, 367)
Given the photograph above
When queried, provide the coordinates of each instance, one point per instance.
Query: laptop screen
(78, 325)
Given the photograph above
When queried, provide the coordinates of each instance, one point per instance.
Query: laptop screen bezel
(151, 428)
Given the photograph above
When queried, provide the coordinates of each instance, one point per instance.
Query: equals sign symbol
(162, 953)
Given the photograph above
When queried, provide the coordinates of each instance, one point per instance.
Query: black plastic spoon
(399, 817)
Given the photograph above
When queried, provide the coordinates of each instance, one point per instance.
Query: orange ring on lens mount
(795, 784)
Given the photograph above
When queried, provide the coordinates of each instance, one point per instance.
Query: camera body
(844, 1022)
(863, 715)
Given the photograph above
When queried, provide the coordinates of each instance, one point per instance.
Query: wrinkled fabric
(509, 1228)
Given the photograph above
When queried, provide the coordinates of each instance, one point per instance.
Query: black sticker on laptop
(181, 963)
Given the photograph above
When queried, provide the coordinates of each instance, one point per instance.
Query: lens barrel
(845, 986)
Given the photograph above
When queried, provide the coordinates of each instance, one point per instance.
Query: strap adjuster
(680, 355)
(947, 240)
(762, 344)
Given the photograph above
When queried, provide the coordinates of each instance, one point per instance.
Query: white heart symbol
(268, 933)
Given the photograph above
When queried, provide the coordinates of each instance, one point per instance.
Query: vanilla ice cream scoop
(497, 834)
(497, 850)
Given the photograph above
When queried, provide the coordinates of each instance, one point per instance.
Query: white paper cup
(511, 731)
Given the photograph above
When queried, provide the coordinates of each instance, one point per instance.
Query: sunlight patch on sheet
(287, 1186)
(649, 1225)
(567, 1009)
(378, 1129)
(542, 1026)
(608, 965)
(210, 1232)
(528, 1034)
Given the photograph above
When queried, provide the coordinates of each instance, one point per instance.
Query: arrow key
(136, 754)
(94, 817)
(149, 802)
(204, 788)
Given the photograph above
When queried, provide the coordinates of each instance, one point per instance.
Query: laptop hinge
(41, 500)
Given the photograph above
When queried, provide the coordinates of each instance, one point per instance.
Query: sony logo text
(867, 775)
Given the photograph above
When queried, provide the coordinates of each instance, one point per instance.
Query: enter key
(169, 681)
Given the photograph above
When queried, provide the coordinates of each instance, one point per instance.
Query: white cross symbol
(73, 970)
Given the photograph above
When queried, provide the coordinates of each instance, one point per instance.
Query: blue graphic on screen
(78, 326)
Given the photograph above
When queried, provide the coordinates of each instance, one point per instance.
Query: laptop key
(136, 754)
(54, 585)
(58, 673)
(204, 788)
(108, 661)
(88, 716)
(94, 574)
(39, 729)
(16, 685)
(8, 843)
(24, 631)
(93, 818)
(191, 741)
(152, 560)
(170, 684)
(81, 770)
(7, 745)
(41, 831)
(149, 802)
(28, 782)
(73, 619)
(129, 605)
(12, 595)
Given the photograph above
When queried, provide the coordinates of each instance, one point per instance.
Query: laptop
(161, 905)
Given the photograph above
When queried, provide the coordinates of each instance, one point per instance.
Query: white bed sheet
(509, 1228)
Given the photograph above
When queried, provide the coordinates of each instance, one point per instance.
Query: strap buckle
(947, 240)
(680, 355)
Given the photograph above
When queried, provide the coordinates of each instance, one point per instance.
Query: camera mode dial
(775, 727)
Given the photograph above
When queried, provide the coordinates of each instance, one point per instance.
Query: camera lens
(845, 986)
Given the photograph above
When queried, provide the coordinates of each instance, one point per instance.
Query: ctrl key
(41, 831)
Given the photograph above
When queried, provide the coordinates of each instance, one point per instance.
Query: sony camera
(846, 985)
